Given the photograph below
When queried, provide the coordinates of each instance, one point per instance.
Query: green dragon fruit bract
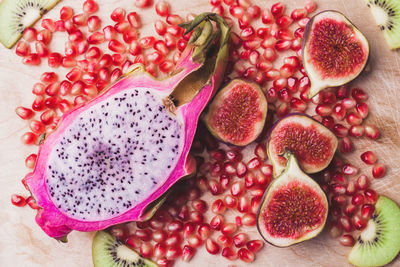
(113, 159)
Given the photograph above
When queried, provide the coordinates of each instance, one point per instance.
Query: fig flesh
(334, 51)
(237, 113)
(293, 209)
(311, 142)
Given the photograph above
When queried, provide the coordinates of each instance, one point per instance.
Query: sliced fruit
(387, 15)
(379, 243)
(107, 251)
(293, 209)
(334, 51)
(237, 113)
(311, 142)
(16, 15)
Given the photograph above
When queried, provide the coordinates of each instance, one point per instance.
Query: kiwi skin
(379, 242)
(107, 251)
(17, 15)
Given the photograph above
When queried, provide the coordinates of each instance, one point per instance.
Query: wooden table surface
(22, 243)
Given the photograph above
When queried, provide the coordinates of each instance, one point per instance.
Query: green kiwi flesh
(107, 251)
(16, 15)
(387, 16)
(379, 242)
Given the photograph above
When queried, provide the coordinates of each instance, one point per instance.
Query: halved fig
(237, 113)
(312, 143)
(293, 209)
(334, 51)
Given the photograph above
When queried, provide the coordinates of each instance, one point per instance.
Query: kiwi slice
(107, 251)
(16, 15)
(379, 242)
(387, 16)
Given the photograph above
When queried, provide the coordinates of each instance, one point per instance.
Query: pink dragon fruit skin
(57, 217)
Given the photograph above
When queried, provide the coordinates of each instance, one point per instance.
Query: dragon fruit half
(113, 159)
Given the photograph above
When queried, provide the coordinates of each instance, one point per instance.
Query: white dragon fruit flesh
(110, 160)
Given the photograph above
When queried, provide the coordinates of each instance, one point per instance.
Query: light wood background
(22, 243)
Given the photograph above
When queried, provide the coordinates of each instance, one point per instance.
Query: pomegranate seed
(284, 21)
(243, 204)
(236, 11)
(254, 11)
(282, 45)
(65, 87)
(70, 26)
(379, 170)
(368, 157)
(225, 241)
(18, 200)
(147, 42)
(342, 92)
(90, 6)
(116, 46)
(362, 109)
(218, 207)
(359, 95)
(194, 241)
(47, 117)
(38, 103)
(350, 188)
(44, 36)
(118, 14)
(362, 182)
(173, 239)
(229, 253)
(246, 255)
(323, 110)
(339, 111)
(187, 253)
(204, 231)
(347, 240)
(284, 95)
(28, 138)
(24, 113)
(371, 132)
(249, 219)
(349, 210)
(277, 9)
(64, 105)
(217, 222)
(353, 119)
(96, 38)
(338, 189)
(367, 210)
(68, 62)
(159, 250)
(75, 74)
(345, 145)
(122, 27)
(77, 87)
(144, 234)
(237, 188)
(146, 250)
(160, 27)
(357, 199)
(115, 74)
(174, 19)
(199, 205)
(254, 245)
(118, 59)
(345, 224)
(358, 223)
(143, 3)
(162, 8)
(29, 34)
(239, 240)
(349, 169)
(267, 17)
(23, 49)
(286, 71)
(32, 59)
(298, 14)
(340, 130)
(48, 24)
(282, 110)
(328, 122)
(338, 200)
(163, 262)
(196, 216)
(348, 103)
(356, 131)
(212, 247)
(54, 60)
(173, 253)
(41, 49)
(230, 201)
(371, 195)
(303, 22)
(80, 19)
(51, 102)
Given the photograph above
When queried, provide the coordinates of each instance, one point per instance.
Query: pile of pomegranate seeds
(229, 178)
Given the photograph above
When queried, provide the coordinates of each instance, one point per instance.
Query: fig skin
(318, 83)
(278, 168)
(303, 179)
(259, 125)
